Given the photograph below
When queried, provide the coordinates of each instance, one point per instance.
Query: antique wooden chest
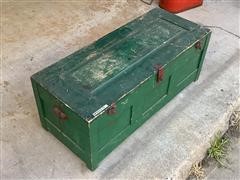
(96, 97)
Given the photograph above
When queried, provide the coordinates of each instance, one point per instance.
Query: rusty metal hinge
(160, 72)
(112, 109)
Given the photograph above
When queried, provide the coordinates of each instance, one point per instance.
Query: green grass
(218, 149)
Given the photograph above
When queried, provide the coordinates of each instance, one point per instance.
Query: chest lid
(97, 75)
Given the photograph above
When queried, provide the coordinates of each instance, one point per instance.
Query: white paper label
(100, 110)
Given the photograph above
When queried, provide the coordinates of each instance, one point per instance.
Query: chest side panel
(63, 121)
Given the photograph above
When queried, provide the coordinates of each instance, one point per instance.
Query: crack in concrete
(225, 30)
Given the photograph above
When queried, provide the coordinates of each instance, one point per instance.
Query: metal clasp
(112, 109)
(160, 72)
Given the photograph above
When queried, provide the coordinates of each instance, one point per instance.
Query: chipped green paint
(119, 69)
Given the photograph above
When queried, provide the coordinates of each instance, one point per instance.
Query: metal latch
(160, 72)
(112, 109)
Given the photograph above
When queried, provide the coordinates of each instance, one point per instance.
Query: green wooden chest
(96, 97)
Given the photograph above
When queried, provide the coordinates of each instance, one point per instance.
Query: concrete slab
(37, 34)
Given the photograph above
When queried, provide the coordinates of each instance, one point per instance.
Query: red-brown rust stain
(112, 123)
